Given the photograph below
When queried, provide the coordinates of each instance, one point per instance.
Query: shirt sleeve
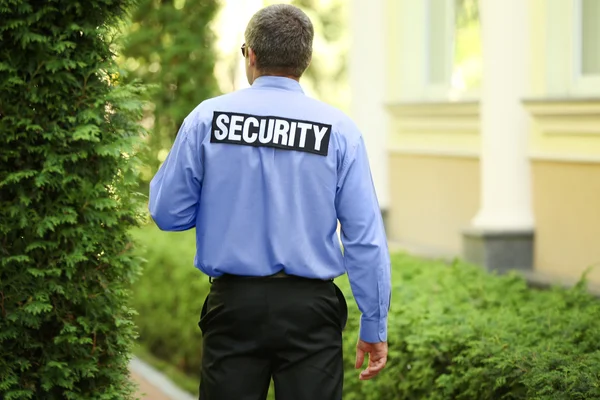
(366, 254)
(175, 189)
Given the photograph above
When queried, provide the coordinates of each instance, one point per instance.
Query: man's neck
(259, 74)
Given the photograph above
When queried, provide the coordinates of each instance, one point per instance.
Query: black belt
(279, 274)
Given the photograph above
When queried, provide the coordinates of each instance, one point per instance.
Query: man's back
(273, 161)
(276, 206)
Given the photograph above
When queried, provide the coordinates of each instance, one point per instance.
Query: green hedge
(168, 298)
(455, 332)
(68, 137)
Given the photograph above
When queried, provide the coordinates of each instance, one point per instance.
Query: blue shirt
(264, 174)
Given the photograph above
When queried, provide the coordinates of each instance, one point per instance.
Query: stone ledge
(499, 250)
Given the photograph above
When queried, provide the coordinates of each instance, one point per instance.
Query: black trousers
(288, 329)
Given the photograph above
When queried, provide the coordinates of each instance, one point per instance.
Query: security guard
(264, 174)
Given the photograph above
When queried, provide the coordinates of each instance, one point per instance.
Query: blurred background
(481, 118)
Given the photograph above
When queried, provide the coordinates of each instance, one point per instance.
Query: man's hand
(377, 358)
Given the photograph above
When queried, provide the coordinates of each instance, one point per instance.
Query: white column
(505, 174)
(367, 68)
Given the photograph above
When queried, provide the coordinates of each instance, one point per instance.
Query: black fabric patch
(269, 131)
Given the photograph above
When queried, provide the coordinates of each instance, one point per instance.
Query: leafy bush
(168, 298)
(455, 332)
(67, 159)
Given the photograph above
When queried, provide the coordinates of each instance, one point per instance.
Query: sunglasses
(243, 48)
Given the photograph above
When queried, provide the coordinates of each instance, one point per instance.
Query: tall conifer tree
(68, 133)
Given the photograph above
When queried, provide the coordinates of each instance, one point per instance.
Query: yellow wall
(566, 199)
(432, 198)
(564, 146)
(565, 159)
(434, 174)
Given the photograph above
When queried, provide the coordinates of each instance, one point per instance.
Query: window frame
(582, 84)
(438, 90)
(443, 91)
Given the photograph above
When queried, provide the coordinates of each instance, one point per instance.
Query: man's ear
(251, 57)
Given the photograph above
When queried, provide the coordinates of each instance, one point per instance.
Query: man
(264, 174)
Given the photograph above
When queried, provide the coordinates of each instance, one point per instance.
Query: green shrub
(455, 332)
(168, 298)
(68, 130)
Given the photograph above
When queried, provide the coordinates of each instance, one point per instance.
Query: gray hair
(281, 36)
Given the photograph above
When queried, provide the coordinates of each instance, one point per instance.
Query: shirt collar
(277, 82)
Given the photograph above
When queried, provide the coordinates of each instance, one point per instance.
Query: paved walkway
(147, 391)
(153, 385)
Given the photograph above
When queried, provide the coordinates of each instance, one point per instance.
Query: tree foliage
(328, 73)
(68, 137)
(169, 45)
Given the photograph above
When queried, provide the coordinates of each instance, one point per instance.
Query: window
(571, 44)
(590, 38)
(585, 53)
(466, 74)
(453, 48)
(439, 42)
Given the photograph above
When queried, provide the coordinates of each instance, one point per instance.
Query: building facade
(483, 123)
